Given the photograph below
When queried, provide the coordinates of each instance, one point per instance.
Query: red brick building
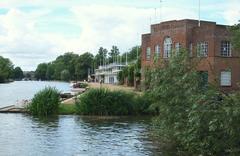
(210, 41)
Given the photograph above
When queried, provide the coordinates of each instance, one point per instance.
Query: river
(23, 135)
(73, 135)
(11, 93)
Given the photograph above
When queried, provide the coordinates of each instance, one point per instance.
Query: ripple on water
(73, 135)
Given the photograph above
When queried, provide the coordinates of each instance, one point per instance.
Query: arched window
(167, 47)
(157, 51)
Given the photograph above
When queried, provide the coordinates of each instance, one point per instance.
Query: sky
(37, 31)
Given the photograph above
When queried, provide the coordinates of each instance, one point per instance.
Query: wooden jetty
(12, 109)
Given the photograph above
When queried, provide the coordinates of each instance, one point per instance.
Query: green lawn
(67, 109)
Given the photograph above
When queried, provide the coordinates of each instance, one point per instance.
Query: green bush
(80, 85)
(45, 102)
(193, 119)
(105, 102)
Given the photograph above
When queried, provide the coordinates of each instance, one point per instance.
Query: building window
(226, 49)
(167, 47)
(226, 78)
(190, 49)
(148, 53)
(157, 51)
(202, 49)
(177, 47)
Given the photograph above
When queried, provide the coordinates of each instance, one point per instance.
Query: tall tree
(6, 68)
(65, 62)
(235, 33)
(101, 56)
(41, 70)
(17, 73)
(50, 71)
(114, 53)
(83, 65)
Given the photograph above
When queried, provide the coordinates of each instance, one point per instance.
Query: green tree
(235, 33)
(18, 73)
(50, 71)
(66, 61)
(83, 65)
(41, 71)
(173, 88)
(114, 53)
(6, 69)
(101, 56)
(65, 75)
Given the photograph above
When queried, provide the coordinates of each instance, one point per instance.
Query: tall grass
(104, 102)
(45, 102)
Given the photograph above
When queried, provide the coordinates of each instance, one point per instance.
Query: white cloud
(101, 25)
(232, 12)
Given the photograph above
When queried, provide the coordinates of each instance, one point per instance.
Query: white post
(160, 11)
(199, 13)
(137, 52)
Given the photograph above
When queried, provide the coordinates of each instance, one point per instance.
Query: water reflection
(74, 135)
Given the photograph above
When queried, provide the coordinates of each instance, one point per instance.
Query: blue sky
(38, 31)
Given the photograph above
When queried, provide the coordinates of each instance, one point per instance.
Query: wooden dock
(12, 109)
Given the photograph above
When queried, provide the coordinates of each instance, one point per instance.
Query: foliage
(45, 102)
(193, 119)
(40, 73)
(50, 71)
(132, 54)
(79, 66)
(67, 109)
(80, 85)
(105, 102)
(131, 73)
(235, 33)
(120, 78)
(101, 55)
(83, 65)
(17, 73)
(65, 75)
(6, 68)
(66, 67)
(114, 53)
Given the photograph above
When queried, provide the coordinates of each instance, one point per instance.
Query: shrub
(80, 85)
(65, 109)
(105, 102)
(193, 119)
(45, 102)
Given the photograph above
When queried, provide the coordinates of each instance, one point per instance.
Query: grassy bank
(105, 102)
(67, 109)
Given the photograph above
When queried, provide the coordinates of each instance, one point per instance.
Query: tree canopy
(235, 33)
(6, 68)
(18, 73)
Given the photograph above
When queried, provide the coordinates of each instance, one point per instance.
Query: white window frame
(202, 49)
(157, 51)
(148, 54)
(167, 47)
(226, 78)
(226, 49)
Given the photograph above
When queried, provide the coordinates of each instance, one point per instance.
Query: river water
(23, 135)
(11, 93)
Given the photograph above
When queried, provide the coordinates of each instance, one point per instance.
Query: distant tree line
(70, 66)
(8, 71)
